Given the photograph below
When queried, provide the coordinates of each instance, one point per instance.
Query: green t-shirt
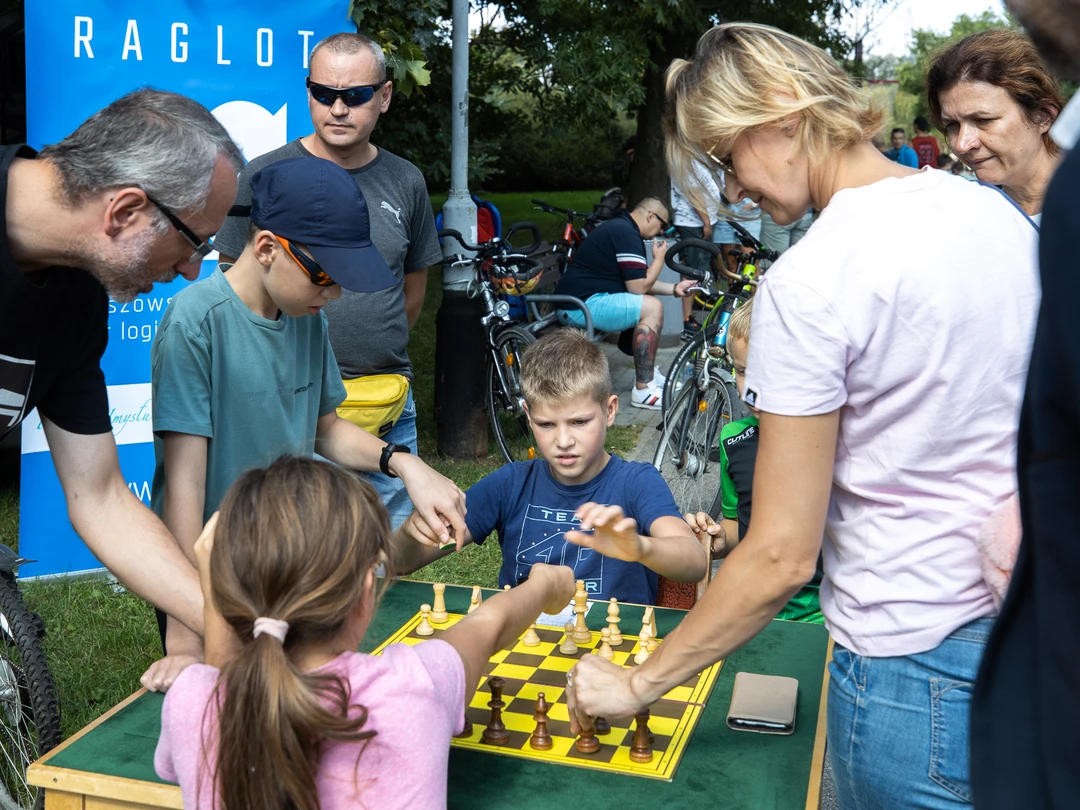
(738, 453)
(254, 387)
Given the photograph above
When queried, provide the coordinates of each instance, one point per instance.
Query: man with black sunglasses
(130, 198)
(347, 92)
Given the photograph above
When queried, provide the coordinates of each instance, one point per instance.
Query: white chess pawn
(568, 645)
(531, 639)
(643, 646)
(425, 628)
(605, 650)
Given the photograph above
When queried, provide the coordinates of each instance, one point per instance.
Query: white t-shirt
(682, 213)
(910, 306)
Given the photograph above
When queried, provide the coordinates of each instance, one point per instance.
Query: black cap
(318, 204)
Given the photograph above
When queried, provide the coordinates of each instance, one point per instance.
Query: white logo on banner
(254, 128)
(129, 410)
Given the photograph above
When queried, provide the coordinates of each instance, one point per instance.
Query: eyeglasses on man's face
(202, 247)
(350, 96)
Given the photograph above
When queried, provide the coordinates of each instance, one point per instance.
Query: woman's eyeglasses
(350, 96)
(318, 276)
(724, 163)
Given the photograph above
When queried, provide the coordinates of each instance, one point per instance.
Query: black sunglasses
(318, 276)
(202, 247)
(350, 96)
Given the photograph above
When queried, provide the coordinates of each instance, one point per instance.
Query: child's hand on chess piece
(419, 529)
(613, 534)
(703, 522)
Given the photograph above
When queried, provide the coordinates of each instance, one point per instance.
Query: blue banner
(247, 63)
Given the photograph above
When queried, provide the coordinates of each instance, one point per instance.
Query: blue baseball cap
(317, 203)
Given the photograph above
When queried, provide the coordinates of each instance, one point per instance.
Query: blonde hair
(739, 326)
(562, 366)
(745, 77)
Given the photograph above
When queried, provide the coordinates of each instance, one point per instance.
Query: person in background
(1025, 710)
(993, 97)
(781, 237)
(692, 222)
(944, 162)
(348, 90)
(925, 145)
(611, 275)
(902, 153)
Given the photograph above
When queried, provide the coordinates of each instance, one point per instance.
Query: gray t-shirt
(369, 331)
(254, 387)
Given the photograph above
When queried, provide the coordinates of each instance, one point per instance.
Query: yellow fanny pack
(376, 402)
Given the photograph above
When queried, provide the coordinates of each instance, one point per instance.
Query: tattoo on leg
(645, 341)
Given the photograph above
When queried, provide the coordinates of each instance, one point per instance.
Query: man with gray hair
(132, 197)
(369, 332)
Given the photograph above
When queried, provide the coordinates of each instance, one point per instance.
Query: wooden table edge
(817, 761)
(50, 777)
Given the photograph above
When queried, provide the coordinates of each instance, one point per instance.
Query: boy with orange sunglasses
(243, 372)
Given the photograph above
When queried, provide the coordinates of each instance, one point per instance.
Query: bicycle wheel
(505, 403)
(677, 373)
(29, 713)
(687, 454)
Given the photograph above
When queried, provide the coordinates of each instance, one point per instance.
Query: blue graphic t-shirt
(532, 511)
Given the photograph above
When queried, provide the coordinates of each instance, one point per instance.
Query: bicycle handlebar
(548, 208)
(689, 272)
(498, 244)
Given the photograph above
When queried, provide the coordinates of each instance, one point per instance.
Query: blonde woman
(888, 367)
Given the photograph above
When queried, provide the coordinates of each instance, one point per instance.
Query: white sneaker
(658, 379)
(648, 397)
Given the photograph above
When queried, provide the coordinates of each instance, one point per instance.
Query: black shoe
(690, 328)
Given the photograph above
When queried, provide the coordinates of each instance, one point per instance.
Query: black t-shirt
(610, 256)
(53, 330)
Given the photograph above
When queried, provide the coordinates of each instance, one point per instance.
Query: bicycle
(687, 454)
(572, 236)
(503, 270)
(29, 710)
(713, 331)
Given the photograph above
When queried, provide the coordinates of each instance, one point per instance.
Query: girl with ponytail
(285, 713)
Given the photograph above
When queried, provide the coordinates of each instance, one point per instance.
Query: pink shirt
(415, 697)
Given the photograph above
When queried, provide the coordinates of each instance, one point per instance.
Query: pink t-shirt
(909, 306)
(415, 697)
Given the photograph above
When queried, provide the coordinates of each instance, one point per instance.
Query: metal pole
(461, 429)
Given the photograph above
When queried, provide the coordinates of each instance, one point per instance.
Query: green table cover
(720, 768)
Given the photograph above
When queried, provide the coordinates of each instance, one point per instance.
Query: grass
(100, 638)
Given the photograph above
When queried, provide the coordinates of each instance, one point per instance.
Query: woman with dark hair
(993, 97)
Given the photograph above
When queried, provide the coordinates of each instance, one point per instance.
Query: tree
(597, 58)
(925, 43)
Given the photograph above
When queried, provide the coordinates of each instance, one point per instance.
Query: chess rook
(641, 748)
(496, 733)
(541, 739)
(438, 610)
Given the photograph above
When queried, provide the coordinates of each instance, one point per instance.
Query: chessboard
(528, 671)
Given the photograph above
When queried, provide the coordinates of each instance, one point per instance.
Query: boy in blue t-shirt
(579, 505)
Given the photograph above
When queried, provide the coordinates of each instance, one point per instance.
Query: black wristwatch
(388, 450)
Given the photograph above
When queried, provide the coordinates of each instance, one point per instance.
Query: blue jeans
(391, 490)
(898, 727)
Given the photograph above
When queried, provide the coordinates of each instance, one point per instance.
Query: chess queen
(285, 712)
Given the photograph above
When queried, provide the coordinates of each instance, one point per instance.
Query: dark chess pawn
(541, 739)
(602, 726)
(496, 733)
(586, 742)
(466, 730)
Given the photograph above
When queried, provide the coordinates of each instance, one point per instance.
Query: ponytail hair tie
(271, 627)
